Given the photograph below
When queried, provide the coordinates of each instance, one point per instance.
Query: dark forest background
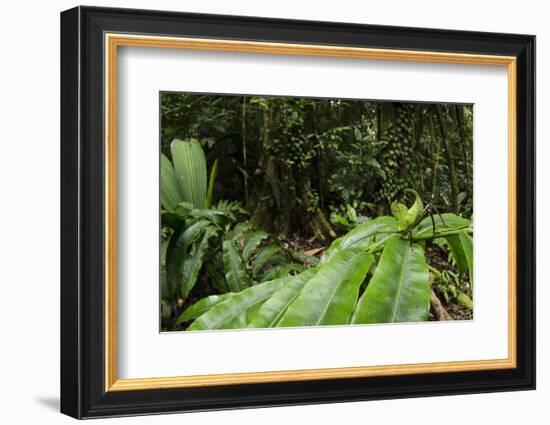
(305, 167)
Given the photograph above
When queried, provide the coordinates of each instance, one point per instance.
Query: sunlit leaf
(170, 194)
(190, 170)
(399, 290)
(235, 272)
(201, 307)
(231, 313)
(363, 236)
(329, 297)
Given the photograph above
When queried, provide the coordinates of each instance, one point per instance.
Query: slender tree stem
(435, 141)
(453, 176)
(243, 135)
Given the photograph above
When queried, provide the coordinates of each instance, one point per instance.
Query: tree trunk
(262, 215)
(453, 177)
(435, 156)
(280, 213)
(243, 141)
(379, 117)
(418, 130)
(458, 110)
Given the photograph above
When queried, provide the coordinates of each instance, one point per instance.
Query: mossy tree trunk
(451, 165)
(282, 193)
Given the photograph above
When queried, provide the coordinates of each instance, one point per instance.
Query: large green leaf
(190, 170)
(201, 307)
(165, 290)
(183, 209)
(235, 271)
(238, 231)
(211, 181)
(329, 297)
(399, 211)
(166, 293)
(443, 222)
(177, 251)
(468, 246)
(269, 314)
(282, 271)
(399, 290)
(253, 242)
(213, 269)
(170, 194)
(407, 217)
(462, 251)
(363, 236)
(263, 258)
(165, 310)
(193, 262)
(231, 313)
(215, 216)
(170, 219)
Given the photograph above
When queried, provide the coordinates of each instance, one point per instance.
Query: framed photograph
(261, 212)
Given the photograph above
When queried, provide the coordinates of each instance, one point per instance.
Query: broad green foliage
(201, 307)
(194, 261)
(229, 208)
(235, 271)
(205, 240)
(347, 217)
(211, 180)
(250, 257)
(363, 236)
(407, 217)
(184, 255)
(400, 212)
(253, 242)
(170, 193)
(399, 290)
(282, 270)
(184, 179)
(459, 240)
(443, 223)
(202, 234)
(329, 297)
(376, 273)
(233, 312)
(190, 170)
(186, 210)
(461, 246)
(267, 255)
(270, 313)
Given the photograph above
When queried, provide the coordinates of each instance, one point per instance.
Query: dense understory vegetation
(292, 212)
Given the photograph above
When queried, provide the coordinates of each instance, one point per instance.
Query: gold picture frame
(91, 40)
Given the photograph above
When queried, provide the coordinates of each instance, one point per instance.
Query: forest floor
(438, 258)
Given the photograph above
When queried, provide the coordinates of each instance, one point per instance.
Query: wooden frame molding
(111, 43)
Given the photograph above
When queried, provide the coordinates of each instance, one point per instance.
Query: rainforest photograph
(297, 211)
